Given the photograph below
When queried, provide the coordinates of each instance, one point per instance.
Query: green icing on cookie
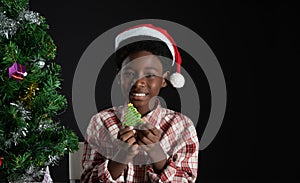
(132, 116)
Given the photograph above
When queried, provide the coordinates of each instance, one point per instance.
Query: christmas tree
(31, 136)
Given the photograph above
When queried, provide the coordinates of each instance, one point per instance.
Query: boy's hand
(148, 136)
(148, 139)
(127, 135)
(130, 148)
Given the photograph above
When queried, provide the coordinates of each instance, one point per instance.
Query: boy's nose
(140, 81)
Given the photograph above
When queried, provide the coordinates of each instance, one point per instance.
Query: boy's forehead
(142, 61)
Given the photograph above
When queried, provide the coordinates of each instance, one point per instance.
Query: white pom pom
(41, 64)
(177, 80)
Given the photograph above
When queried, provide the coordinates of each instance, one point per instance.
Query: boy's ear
(165, 76)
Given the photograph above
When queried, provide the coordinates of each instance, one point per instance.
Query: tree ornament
(132, 116)
(47, 177)
(17, 71)
(1, 160)
(40, 64)
(30, 93)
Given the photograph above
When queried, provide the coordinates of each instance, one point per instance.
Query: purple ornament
(17, 71)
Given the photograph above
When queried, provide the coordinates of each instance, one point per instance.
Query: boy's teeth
(139, 94)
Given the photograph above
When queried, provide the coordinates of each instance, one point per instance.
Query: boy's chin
(143, 104)
(139, 103)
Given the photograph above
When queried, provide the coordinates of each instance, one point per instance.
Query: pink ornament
(1, 159)
(47, 177)
(17, 71)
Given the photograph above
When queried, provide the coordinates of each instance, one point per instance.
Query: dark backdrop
(237, 34)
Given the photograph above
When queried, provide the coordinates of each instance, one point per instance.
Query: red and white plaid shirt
(179, 141)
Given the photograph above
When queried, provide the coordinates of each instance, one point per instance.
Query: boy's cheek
(125, 91)
(126, 88)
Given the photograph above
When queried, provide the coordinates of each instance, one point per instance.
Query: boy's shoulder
(178, 124)
(173, 116)
(107, 113)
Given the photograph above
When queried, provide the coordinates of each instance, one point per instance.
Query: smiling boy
(165, 147)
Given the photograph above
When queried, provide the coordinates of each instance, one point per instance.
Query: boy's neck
(146, 110)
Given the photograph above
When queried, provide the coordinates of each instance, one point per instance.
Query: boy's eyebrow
(146, 68)
(151, 68)
(127, 67)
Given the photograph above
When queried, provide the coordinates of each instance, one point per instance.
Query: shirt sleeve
(95, 165)
(182, 164)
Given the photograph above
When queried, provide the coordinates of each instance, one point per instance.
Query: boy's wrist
(156, 153)
(123, 157)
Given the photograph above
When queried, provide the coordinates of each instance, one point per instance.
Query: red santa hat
(176, 79)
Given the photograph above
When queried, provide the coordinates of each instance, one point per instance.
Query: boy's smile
(141, 79)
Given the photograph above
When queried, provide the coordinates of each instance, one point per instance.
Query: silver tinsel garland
(21, 132)
(24, 113)
(8, 26)
(30, 16)
(33, 172)
(52, 160)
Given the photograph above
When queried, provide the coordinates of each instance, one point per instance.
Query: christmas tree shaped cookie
(132, 116)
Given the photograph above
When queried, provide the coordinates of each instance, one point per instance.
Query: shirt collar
(154, 116)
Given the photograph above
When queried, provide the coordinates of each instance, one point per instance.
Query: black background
(240, 35)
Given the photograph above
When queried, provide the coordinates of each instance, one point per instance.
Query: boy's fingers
(131, 140)
(148, 134)
(128, 134)
(146, 128)
(140, 143)
(155, 131)
(144, 147)
(144, 138)
(134, 147)
(131, 151)
(126, 129)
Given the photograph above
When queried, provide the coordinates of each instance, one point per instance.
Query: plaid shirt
(179, 141)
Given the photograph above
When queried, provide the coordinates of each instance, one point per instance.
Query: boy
(165, 147)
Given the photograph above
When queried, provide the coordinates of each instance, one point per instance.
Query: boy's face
(142, 78)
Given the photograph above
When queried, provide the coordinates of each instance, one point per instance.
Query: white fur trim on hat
(145, 31)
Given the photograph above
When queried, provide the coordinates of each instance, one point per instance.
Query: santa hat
(176, 79)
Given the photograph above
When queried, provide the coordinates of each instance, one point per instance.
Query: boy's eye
(150, 75)
(128, 74)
